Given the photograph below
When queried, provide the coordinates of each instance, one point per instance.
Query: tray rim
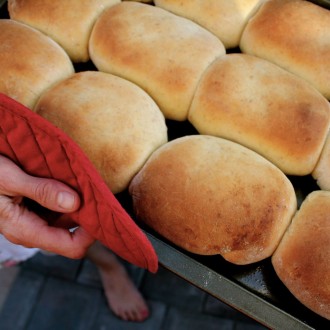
(223, 288)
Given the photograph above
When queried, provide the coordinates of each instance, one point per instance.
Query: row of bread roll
(240, 97)
(69, 23)
(294, 34)
(30, 62)
(212, 196)
(261, 32)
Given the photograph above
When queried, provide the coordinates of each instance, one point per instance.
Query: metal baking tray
(255, 289)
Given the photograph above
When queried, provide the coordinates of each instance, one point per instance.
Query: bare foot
(123, 297)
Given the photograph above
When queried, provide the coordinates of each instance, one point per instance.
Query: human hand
(24, 227)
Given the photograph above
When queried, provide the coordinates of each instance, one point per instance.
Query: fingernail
(65, 200)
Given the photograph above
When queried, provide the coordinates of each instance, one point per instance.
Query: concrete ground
(53, 292)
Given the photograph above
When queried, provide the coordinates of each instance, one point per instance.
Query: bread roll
(295, 35)
(114, 121)
(213, 196)
(30, 62)
(159, 51)
(68, 22)
(226, 19)
(257, 104)
(321, 172)
(302, 259)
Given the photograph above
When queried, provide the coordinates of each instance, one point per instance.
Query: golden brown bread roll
(321, 172)
(226, 19)
(302, 259)
(257, 104)
(213, 196)
(114, 121)
(68, 22)
(163, 53)
(294, 34)
(30, 62)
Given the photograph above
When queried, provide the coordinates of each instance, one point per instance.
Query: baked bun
(321, 172)
(67, 22)
(226, 19)
(212, 196)
(163, 53)
(265, 108)
(302, 259)
(295, 35)
(114, 121)
(30, 62)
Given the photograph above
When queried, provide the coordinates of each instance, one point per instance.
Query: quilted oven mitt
(43, 150)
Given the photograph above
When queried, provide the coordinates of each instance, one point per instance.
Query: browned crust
(259, 105)
(212, 196)
(159, 51)
(294, 34)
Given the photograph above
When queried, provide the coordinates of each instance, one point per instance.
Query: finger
(11, 176)
(52, 194)
(49, 193)
(34, 232)
(61, 241)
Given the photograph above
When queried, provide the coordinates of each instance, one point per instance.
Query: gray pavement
(53, 292)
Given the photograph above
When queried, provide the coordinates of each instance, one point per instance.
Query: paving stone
(7, 278)
(89, 275)
(21, 300)
(53, 265)
(106, 320)
(179, 319)
(248, 326)
(58, 293)
(65, 305)
(171, 289)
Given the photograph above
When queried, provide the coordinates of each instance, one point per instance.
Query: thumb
(51, 194)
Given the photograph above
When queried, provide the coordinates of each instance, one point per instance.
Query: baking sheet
(255, 290)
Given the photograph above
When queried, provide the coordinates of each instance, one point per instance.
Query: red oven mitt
(43, 150)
